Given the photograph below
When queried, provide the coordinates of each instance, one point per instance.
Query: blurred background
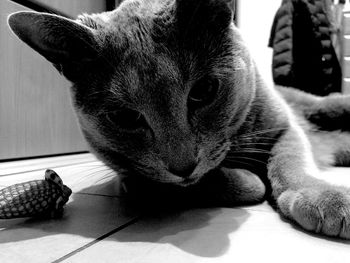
(36, 118)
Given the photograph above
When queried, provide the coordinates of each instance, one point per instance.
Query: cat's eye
(127, 119)
(203, 92)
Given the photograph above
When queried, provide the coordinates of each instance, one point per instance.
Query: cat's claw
(324, 211)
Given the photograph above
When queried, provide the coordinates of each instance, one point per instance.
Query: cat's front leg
(314, 204)
(219, 187)
(232, 187)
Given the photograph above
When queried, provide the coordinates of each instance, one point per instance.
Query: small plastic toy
(38, 198)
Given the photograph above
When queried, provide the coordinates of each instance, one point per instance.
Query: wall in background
(255, 18)
(36, 117)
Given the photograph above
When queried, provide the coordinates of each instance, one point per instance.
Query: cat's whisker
(261, 132)
(228, 163)
(98, 92)
(248, 151)
(242, 147)
(97, 168)
(93, 165)
(246, 158)
(94, 172)
(254, 143)
(105, 170)
(107, 176)
(255, 138)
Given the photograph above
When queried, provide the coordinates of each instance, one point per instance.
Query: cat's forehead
(144, 70)
(141, 43)
(142, 79)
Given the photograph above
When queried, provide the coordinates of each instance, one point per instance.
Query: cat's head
(159, 87)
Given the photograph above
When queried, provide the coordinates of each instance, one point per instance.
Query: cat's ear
(58, 39)
(204, 16)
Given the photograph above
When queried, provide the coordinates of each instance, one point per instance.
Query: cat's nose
(177, 149)
(183, 171)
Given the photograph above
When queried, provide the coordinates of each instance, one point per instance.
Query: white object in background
(255, 18)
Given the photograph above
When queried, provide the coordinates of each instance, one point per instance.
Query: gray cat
(168, 96)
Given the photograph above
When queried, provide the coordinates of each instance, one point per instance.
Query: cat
(167, 95)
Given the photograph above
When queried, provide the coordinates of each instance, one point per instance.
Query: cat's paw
(320, 210)
(231, 187)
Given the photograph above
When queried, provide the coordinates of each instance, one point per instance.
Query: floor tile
(93, 210)
(246, 234)
(97, 209)
(86, 218)
(214, 235)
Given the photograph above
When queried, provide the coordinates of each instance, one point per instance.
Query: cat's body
(167, 95)
(325, 120)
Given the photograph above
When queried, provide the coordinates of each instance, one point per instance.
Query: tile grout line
(76, 251)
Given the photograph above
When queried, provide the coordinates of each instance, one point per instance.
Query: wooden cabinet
(36, 117)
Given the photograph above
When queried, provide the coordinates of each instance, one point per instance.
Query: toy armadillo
(36, 198)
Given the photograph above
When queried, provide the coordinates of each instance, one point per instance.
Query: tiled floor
(98, 226)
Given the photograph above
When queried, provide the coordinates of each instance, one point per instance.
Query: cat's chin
(188, 181)
(180, 181)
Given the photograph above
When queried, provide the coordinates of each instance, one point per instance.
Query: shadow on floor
(202, 232)
(199, 231)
